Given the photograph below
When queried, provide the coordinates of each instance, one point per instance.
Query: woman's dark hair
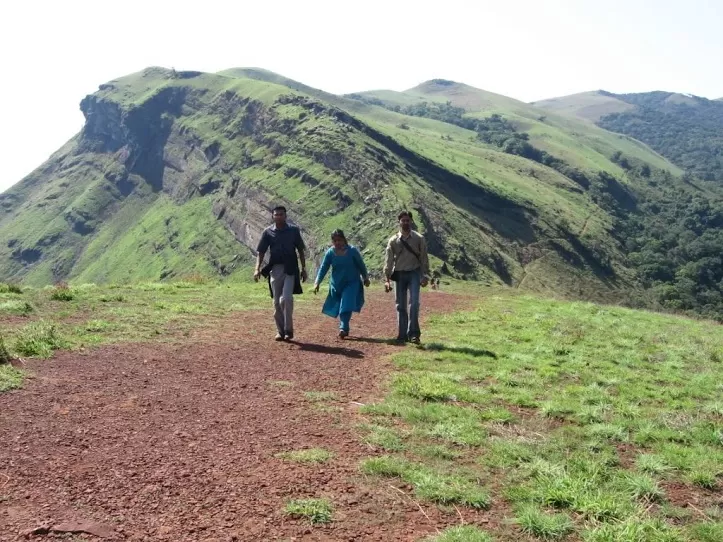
(339, 233)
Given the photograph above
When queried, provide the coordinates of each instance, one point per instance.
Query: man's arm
(388, 261)
(257, 269)
(301, 249)
(424, 256)
(261, 250)
(302, 258)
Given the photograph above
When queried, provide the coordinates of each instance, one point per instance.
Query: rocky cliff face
(147, 145)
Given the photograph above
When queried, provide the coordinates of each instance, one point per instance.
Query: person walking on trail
(284, 241)
(348, 278)
(407, 264)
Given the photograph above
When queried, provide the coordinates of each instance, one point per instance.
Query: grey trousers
(408, 320)
(282, 285)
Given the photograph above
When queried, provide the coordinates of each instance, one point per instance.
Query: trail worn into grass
(178, 441)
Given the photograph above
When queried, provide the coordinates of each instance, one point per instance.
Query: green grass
(10, 288)
(5, 356)
(62, 293)
(652, 464)
(384, 438)
(429, 484)
(709, 531)
(642, 487)
(320, 396)
(311, 455)
(13, 306)
(10, 377)
(634, 529)
(707, 479)
(543, 525)
(38, 339)
(502, 453)
(98, 325)
(594, 380)
(461, 533)
(315, 511)
(436, 451)
(117, 313)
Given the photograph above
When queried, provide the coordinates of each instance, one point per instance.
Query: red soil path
(177, 441)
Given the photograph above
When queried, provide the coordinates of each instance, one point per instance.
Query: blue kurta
(346, 290)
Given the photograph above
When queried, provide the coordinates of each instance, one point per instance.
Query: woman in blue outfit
(346, 292)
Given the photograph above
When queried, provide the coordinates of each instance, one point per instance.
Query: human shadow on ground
(333, 350)
(439, 347)
(372, 340)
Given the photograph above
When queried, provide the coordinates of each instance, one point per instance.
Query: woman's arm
(324, 269)
(359, 262)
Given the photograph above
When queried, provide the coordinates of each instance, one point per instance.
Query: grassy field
(567, 420)
(38, 321)
(577, 420)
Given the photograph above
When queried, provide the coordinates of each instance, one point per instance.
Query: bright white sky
(55, 52)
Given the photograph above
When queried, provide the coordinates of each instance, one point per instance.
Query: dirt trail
(176, 441)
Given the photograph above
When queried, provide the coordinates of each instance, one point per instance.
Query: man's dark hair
(279, 208)
(403, 214)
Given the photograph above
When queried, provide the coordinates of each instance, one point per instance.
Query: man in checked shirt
(407, 264)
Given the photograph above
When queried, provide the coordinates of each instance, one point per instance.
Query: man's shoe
(279, 337)
(343, 333)
(414, 340)
(400, 339)
(289, 335)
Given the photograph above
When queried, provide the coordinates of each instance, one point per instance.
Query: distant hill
(587, 105)
(578, 143)
(174, 173)
(686, 129)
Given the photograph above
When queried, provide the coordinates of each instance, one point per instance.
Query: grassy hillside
(675, 241)
(586, 105)
(577, 142)
(686, 129)
(174, 173)
(654, 214)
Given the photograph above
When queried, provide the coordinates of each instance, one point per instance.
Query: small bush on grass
(62, 292)
(8, 288)
(38, 339)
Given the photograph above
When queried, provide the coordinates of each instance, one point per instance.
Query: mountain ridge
(174, 173)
